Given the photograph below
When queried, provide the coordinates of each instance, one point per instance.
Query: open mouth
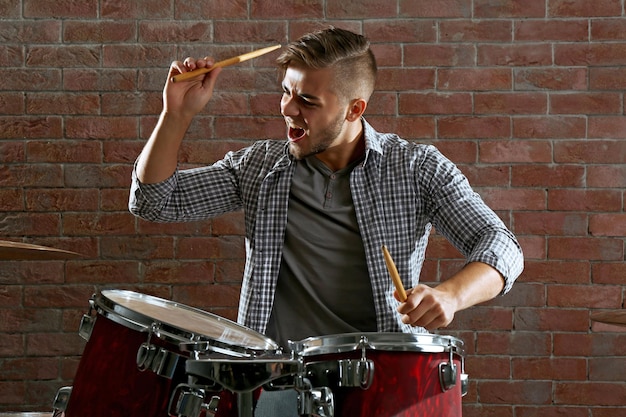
(296, 133)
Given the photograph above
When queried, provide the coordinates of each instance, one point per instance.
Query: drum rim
(135, 320)
(380, 341)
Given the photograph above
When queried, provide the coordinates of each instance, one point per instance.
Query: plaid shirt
(400, 191)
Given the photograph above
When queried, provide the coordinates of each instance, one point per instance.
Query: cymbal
(26, 251)
(610, 317)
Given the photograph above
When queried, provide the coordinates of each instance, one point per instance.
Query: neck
(345, 152)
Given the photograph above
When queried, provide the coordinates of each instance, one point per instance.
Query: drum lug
(316, 402)
(61, 399)
(87, 321)
(356, 373)
(464, 384)
(189, 402)
(160, 361)
(447, 375)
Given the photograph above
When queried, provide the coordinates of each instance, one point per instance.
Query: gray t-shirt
(323, 285)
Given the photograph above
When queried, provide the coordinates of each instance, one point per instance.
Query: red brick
(585, 248)
(426, 8)
(64, 151)
(514, 55)
(552, 30)
(586, 103)
(510, 103)
(514, 199)
(88, 79)
(606, 369)
(551, 78)
(607, 29)
(605, 224)
(486, 318)
(121, 152)
(552, 369)
(582, 296)
(514, 343)
(97, 175)
(584, 200)
(120, 104)
(475, 30)
(581, 8)
(63, 56)
(99, 32)
(29, 368)
(71, 9)
(53, 344)
(486, 176)
(557, 127)
(608, 127)
(607, 78)
(551, 223)
(229, 272)
(12, 103)
(31, 224)
(551, 319)
(92, 224)
(608, 273)
(152, 9)
(429, 55)
(581, 393)
(11, 199)
(548, 175)
(101, 127)
(11, 345)
(173, 272)
(215, 9)
(583, 54)
(488, 127)
(488, 367)
(400, 30)
(45, 297)
(61, 200)
(156, 31)
(551, 411)
(486, 410)
(289, 9)
(406, 127)
(602, 151)
(499, 9)
(137, 56)
(435, 103)
(474, 79)
(101, 272)
(507, 151)
(210, 248)
(197, 296)
(405, 79)
(30, 127)
(517, 392)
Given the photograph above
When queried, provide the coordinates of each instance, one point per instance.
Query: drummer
(320, 205)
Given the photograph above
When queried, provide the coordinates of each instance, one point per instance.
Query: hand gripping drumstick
(230, 61)
(395, 277)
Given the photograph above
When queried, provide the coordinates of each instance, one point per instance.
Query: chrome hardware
(464, 384)
(353, 373)
(145, 355)
(87, 321)
(448, 373)
(61, 399)
(317, 402)
(164, 363)
(189, 402)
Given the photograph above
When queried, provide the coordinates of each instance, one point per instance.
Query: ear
(356, 109)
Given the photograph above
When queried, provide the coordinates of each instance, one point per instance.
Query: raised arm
(181, 102)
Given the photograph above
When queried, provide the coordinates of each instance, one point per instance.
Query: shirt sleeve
(460, 215)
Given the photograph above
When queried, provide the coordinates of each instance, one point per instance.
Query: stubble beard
(325, 139)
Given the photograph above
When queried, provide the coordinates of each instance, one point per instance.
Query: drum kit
(150, 357)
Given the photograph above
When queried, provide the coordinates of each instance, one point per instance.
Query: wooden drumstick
(230, 61)
(395, 277)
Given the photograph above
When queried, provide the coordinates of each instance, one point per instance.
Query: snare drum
(383, 374)
(133, 359)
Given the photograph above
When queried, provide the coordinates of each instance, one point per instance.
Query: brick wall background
(527, 96)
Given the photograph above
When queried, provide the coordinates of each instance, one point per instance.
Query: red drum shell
(406, 379)
(108, 382)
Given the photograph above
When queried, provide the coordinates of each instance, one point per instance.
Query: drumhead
(178, 321)
(404, 342)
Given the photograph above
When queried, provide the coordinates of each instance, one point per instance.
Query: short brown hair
(348, 53)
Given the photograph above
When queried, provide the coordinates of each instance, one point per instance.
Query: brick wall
(527, 96)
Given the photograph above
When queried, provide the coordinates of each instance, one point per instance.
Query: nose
(288, 107)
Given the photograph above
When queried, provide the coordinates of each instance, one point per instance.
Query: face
(314, 114)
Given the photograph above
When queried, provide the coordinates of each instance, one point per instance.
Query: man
(319, 207)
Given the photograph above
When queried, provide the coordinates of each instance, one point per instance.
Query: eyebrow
(308, 97)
